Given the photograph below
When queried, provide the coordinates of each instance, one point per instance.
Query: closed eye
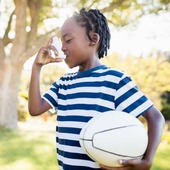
(69, 40)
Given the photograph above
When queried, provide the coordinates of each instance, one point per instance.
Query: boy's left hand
(133, 164)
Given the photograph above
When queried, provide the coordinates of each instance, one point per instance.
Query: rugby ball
(112, 136)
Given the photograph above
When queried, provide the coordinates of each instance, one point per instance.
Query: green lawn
(27, 150)
(31, 150)
(162, 159)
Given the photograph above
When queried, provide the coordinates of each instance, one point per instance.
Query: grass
(32, 150)
(27, 150)
(162, 158)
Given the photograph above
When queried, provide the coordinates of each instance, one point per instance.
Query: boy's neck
(92, 64)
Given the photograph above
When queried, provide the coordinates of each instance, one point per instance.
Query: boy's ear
(94, 38)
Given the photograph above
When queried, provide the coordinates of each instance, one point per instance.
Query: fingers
(103, 167)
(50, 41)
(51, 45)
(49, 49)
(56, 60)
(124, 165)
(129, 162)
(135, 164)
(53, 50)
(48, 54)
(44, 56)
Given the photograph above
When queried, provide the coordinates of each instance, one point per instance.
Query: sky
(151, 33)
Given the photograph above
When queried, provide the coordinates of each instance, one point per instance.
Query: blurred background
(140, 45)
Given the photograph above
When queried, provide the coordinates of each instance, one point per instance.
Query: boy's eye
(67, 41)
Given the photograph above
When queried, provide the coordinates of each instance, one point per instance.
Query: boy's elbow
(159, 118)
(153, 114)
(33, 111)
(38, 109)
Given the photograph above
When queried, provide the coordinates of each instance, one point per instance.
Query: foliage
(166, 104)
(166, 137)
(123, 12)
(50, 74)
(166, 111)
(23, 114)
(22, 110)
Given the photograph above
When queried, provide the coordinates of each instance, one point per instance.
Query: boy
(94, 89)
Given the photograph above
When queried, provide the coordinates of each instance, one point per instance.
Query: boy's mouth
(66, 55)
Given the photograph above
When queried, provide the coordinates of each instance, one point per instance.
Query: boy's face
(75, 44)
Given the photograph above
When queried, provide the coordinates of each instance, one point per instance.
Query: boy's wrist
(36, 67)
(148, 160)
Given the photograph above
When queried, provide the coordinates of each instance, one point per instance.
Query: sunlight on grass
(27, 150)
(32, 150)
(162, 159)
(19, 164)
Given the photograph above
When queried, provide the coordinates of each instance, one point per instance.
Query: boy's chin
(70, 66)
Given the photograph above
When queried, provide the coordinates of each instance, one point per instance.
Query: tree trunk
(24, 45)
(9, 85)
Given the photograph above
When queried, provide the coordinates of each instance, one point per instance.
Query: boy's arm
(155, 123)
(36, 104)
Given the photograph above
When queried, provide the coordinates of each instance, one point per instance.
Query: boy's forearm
(34, 100)
(156, 123)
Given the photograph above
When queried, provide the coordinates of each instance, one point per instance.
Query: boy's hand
(44, 55)
(134, 164)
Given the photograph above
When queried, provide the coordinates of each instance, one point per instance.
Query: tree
(24, 45)
(123, 12)
(28, 17)
(166, 104)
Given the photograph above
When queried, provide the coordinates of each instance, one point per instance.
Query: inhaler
(57, 44)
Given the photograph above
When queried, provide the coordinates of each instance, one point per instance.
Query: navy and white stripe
(80, 96)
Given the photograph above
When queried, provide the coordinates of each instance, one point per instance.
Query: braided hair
(94, 20)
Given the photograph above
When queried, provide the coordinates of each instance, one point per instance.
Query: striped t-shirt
(80, 96)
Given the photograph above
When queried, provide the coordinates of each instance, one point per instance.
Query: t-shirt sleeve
(51, 96)
(129, 98)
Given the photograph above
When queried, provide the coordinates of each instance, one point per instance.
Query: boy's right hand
(44, 56)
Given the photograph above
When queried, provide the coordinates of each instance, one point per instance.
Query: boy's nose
(63, 48)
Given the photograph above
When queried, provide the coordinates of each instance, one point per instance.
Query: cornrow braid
(94, 20)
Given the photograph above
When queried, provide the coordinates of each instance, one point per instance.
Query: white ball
(114, 135)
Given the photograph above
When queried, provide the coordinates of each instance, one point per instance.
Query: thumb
(129, 162)
(56, 59)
